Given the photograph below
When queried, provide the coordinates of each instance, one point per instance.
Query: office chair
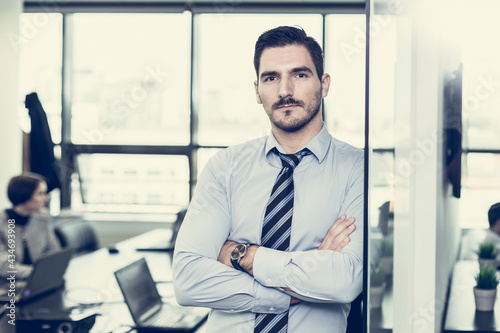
(79, 234)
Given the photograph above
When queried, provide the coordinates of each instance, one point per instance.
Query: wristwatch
(239, 252)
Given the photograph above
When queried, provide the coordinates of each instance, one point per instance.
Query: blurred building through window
(131, 76)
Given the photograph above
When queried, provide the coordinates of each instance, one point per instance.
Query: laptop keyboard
(169, 316)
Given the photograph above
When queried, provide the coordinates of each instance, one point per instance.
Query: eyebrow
(268, 73)
(294, 70)
(302, 69)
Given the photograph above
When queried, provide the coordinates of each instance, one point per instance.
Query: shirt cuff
(270, 300)
(268, 266)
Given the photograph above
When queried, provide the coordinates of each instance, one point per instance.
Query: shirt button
(268, 280)
(271, 309)
(232, 310)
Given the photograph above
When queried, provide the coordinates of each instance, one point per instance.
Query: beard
(294, 124)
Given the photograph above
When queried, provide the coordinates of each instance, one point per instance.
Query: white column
(10, 133)
(423, 250)
(426, 107)
(404, 250)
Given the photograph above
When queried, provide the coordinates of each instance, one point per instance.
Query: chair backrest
(79, 234)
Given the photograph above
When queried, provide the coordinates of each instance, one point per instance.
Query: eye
(269, 79)
(302, 75)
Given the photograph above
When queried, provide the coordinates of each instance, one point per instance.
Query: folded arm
(199, 279)
(322, 275)
(331, 273)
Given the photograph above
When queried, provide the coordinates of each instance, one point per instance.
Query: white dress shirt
(229, 203)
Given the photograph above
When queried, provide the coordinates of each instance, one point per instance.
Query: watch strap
(236, 265)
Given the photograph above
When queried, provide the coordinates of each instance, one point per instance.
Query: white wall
(10, 133)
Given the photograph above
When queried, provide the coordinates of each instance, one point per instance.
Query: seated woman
(33, 235)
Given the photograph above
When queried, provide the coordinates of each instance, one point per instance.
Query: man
(493, 233)
(238, 251)
(474, 237)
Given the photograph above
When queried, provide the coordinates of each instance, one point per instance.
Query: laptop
(166, 245)
(47, 275)
(146, 307)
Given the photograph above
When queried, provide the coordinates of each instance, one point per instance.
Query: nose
(285, 88)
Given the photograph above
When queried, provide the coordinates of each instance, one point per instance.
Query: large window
(128, 179)
(481, 116)
(138, 102)
(131, 79)
(345, 62)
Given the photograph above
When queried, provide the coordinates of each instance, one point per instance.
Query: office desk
(90, 279)
(461, 315)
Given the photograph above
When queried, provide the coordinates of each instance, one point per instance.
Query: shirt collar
(318, 145)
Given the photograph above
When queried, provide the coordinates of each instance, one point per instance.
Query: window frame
(70, 150)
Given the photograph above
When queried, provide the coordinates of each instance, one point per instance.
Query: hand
(293, 300)
(337, 236)
(225, 253)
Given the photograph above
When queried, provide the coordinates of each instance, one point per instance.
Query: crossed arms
(203, 275)
(336, 239)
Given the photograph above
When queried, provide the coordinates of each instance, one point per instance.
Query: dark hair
(22, 187)
(284, 36)
(494, 214)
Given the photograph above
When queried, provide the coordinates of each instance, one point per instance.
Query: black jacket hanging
(42, 160)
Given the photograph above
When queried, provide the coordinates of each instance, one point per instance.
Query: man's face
(288, 87)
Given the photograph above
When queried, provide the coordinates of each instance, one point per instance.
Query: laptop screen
(138, 288)
(48, 273)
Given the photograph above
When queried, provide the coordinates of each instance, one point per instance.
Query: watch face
(238, 251)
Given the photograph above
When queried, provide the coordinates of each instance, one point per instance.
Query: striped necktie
(277, 228)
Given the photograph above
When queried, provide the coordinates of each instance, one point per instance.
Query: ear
(325, 84)
(256, 86)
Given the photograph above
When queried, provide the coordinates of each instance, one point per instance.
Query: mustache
(287, 101)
